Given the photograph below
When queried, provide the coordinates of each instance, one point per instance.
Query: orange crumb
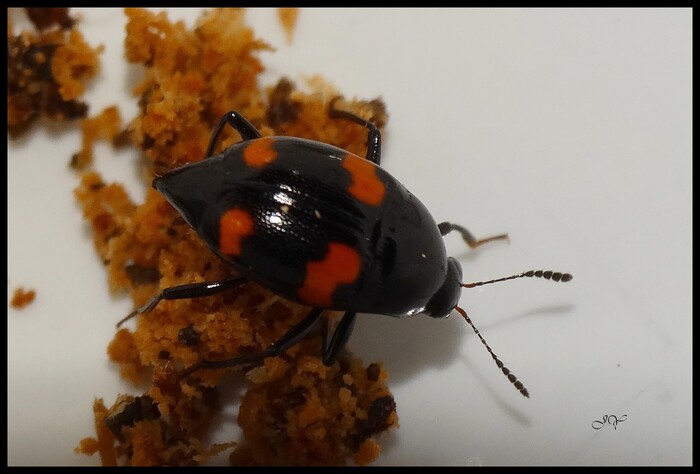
(47, 70)
(105, 126)
(22, 298)
(288, 17)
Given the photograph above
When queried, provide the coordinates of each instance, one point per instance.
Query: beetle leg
(472, 242)
(192, 290)
(290, 338)
(374, 137)
(340, 337)
(246, 129)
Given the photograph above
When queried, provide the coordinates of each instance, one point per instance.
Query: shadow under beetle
(320, 226)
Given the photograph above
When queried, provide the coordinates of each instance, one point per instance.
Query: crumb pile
(47, 70)
(295, 410)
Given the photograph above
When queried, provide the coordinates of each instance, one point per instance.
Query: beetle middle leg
(191, 290)
(290, 338)
(340, 337)
(374, 137)
(468, 237)
(246, 129)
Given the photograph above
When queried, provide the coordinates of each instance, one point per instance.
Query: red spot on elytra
(340, 265)
(233, 226)
(259, 152)
(366, 185)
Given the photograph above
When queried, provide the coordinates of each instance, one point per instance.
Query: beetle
(322, 227)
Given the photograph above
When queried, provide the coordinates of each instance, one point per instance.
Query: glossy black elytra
(320, 226)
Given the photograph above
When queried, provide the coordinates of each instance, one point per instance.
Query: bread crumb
(288, 18)
(47, 71)
(295, 410)
(22, 298)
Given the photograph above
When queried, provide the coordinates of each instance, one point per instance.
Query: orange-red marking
(366, 186)
(259, 152)
(340, 265)
(233, 226)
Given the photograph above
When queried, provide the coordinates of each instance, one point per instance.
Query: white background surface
(568, 129)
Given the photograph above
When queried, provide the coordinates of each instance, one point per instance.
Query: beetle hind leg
(182, 292)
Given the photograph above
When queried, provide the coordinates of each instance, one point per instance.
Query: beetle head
(447, 297)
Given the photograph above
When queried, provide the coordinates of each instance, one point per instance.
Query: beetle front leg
(471, 241)
(246, 129)
(192, 290)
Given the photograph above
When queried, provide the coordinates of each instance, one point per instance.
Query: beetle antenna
(546, 274)
(506, 371)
